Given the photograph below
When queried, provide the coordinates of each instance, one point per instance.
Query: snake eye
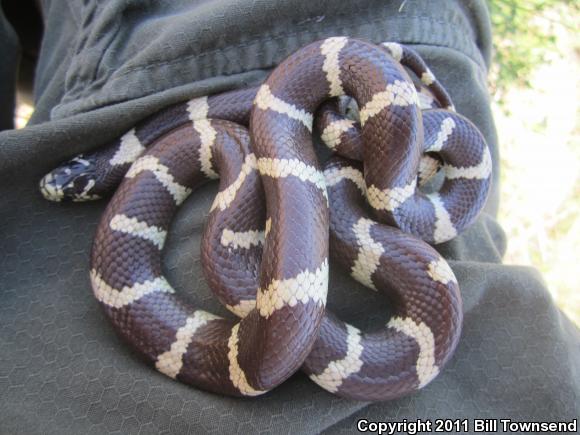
(77, 186)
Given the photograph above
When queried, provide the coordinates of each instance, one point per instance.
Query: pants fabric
(103, 66)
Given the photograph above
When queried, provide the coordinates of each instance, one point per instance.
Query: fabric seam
(259, 41)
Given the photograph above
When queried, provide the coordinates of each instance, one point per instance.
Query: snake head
(72, 181)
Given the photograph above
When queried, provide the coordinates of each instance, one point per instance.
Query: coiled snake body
(265, 247)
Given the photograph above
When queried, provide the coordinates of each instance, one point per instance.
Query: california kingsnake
(280, 246)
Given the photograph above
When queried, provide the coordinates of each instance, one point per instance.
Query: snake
(95, 175)
(265, 248)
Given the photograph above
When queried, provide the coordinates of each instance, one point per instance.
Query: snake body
(420, 336)
(265, 247)
(92, 176)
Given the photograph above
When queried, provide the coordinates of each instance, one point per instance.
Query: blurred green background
(535, 89)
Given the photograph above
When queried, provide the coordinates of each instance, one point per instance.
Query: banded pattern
(396, 198)
(369, 253)
(282, 168)
(330, 49)
(336, 371)
(409, 58)
(242, 239)
(95, 175)
(425, 328)
(170, 363)
(416, 342)
(265, 100)
(342, 135)
(129, 149)
(188, 344)
(250, 257)
(134, 227)
(439, 216)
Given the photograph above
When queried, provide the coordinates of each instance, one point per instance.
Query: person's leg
(106, 65)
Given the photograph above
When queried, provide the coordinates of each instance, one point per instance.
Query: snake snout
(72, 181)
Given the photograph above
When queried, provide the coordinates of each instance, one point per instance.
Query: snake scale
(278, 216)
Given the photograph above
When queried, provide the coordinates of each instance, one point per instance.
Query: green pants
(105, 65)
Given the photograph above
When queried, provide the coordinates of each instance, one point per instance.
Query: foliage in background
(535, 83)
(523, 38)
